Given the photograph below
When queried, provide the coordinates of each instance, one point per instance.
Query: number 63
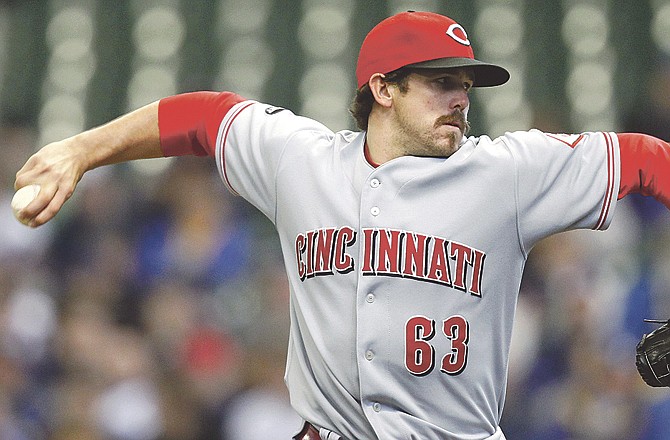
(420, 354)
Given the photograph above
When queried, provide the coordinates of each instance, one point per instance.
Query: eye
(447, 82)
(450, 82)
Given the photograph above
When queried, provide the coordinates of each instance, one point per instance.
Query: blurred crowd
(155, 308)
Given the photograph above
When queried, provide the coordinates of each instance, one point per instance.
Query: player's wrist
(85, 151)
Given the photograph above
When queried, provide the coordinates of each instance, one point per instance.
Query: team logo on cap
(457, 32)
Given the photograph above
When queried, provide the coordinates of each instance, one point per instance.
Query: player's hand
(57, 168)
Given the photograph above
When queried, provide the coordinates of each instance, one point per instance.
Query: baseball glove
(653, 355)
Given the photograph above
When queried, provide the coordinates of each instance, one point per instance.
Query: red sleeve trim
(607, 203)
(645, 166)
(224, 142)
(188, 123)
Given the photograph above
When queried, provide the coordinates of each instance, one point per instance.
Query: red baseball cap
(422, 40)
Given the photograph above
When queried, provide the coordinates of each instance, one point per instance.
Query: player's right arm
(59, 166)
(177, 125)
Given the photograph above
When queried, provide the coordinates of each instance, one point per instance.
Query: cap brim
(486, 75)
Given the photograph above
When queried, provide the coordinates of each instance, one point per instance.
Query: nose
(460, 100)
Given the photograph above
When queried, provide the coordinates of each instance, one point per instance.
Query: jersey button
(369, 355)
(374, 183)
(375, 211)
(370, 298)
(376, 407)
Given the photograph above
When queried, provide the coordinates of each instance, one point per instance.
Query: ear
(380, 90)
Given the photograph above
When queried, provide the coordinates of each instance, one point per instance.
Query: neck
(380, 144)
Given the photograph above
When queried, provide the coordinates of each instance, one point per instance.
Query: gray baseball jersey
(404, 278)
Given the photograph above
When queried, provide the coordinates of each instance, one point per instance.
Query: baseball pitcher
(404, 242)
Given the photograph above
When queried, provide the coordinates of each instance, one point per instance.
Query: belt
(308, 432)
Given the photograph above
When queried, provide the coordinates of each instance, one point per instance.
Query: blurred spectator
(195, 234)
(261, 410)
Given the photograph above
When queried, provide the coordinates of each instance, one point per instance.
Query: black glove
(653, 355)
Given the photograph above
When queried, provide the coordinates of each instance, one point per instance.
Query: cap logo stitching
(461, 37)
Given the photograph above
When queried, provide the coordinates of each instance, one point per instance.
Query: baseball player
(404, 243)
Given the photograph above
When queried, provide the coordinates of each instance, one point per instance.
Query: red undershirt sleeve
(188, 123)
(645, 166)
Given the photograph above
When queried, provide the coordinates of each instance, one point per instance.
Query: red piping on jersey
(604, 212)
(226, 130)
(572, 144)
(366, 151)
(645, 166)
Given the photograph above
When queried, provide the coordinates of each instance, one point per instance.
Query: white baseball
(23, 197)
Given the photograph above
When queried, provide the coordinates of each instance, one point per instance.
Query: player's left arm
(645, 166)
(645, 169)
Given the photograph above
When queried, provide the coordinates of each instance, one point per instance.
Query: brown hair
(361, 106)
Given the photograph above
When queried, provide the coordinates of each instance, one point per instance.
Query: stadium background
(154, 306)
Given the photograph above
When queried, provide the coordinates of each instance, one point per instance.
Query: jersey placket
(372, 302)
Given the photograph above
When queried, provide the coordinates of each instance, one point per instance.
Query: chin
(451, 147)
(450, 152)
(439, 151)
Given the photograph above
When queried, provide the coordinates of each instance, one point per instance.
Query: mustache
(457, 118)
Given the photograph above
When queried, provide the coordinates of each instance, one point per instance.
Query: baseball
(23, 197)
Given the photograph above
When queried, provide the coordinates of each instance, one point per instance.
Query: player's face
(431, 116)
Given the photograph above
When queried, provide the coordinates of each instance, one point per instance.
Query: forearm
(130, 137)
